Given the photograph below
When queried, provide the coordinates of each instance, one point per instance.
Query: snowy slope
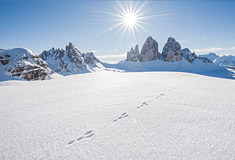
(145, 115)
(198, 67)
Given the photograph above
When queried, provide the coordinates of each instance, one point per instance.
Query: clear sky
(203, 26)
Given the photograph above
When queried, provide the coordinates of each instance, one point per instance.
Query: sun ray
(131, 17)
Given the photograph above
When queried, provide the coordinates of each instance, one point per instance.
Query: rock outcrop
(90, 59)
(23, 63)
(171, 51)
(191, 56)
(133, 54)
(149, 50)
(70, 60)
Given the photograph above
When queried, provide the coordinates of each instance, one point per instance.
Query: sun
(130, 17)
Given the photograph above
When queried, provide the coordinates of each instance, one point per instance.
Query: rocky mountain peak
(70, 60)
(172, 50)
(149, 50)
(90, 58)
(133, 54)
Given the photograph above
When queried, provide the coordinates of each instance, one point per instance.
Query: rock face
(133, 54)
(23, 63)
(172, 50)
(70, 60)
(191, 56)
(149, 50)
(90, 58)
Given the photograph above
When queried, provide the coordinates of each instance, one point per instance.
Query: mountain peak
(149, 50)
(70, 60)
(172, 50)
(149, 38)
(171, 39)
(70, 46)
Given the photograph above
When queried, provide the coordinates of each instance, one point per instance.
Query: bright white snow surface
(114, 115)
(198, 67)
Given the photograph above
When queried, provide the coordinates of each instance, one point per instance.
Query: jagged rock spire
(172, 50)
(70, 60)
(133, 54)
(149, 50)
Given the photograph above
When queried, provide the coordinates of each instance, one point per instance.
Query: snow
(114, 115)
(198, 67)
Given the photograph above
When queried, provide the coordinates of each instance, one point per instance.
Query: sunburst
(130, 17)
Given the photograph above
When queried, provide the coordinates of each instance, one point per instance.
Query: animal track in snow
(80, 138)
(88, 134)
(71, 142)
(161, 95)
(143, 104)
(123, 115)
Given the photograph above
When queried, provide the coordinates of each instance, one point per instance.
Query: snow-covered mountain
(226, 61)
(22, 63)
(71, 60)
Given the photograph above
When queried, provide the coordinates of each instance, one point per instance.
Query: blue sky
(203, 26)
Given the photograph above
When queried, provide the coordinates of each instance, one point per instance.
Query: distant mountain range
(22, 63)
(225, 61)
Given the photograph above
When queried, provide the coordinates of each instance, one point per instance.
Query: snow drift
(198, 67)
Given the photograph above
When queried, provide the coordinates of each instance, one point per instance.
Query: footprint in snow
(88, 134)
(71, 142)
(142, 105)
(161, 95)
(80, 138)
(123, 115)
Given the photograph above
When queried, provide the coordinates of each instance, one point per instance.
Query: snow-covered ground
(115, 115)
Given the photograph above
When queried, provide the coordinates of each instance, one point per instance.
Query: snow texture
(112, 115)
